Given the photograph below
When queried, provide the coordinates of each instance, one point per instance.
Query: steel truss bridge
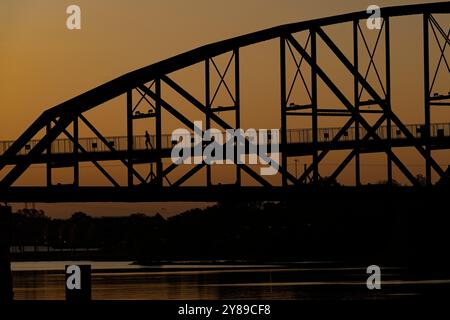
(60, 146)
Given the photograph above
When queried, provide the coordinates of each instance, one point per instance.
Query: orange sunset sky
(42, 64)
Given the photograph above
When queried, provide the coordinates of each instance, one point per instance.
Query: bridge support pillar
(6, 291)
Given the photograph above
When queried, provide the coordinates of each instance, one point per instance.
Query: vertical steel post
(208, 117)
(283, 108)
(130, 137)
(388, 98)
(237, 97)
(426, 83)
(314, 117)
(76, 164)
(49, 155)
(158, 133)
(356, 101)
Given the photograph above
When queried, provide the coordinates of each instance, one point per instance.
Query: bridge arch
(148, 80)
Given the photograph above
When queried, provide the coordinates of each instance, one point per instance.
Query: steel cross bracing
(383, 135)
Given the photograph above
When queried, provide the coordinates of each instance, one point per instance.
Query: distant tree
(421, 180)
(31, 213)
(328, 181)
(395, 183)
(79, 216)
(138, 216)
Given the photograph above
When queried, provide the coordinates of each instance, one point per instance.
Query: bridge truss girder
(354, 112)
(148, 82)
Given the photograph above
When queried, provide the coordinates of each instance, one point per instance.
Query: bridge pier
(6, 291)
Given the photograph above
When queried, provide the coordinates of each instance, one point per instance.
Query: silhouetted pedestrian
(148, 144)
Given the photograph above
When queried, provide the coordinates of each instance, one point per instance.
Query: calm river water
(300, 281)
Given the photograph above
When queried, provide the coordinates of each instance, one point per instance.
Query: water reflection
(124, 280)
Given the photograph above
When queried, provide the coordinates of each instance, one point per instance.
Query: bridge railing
(4, 145)
(120, 143)
(94, 144)
(437, 130)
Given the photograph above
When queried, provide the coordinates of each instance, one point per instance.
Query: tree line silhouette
(403, 228)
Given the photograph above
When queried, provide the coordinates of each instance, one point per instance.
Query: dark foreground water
(191, 281)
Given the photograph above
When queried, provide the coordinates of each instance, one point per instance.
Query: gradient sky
(43, 64)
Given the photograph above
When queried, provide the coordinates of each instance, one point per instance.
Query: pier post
(78, 283)
(6, 290)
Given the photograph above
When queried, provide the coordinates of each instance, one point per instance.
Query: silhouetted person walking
(148, 144)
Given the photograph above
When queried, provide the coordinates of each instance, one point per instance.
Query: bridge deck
(299, 144)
